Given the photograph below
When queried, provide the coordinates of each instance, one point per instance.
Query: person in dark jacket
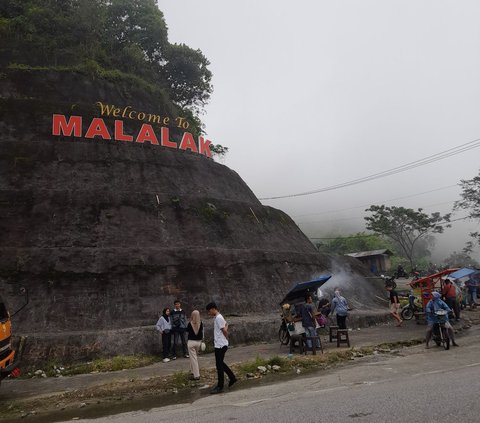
(179, 329)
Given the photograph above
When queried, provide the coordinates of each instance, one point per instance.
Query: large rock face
(105, 234)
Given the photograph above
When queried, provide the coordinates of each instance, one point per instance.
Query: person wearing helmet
(433, 305)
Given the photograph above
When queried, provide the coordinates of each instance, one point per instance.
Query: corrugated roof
(370, 253)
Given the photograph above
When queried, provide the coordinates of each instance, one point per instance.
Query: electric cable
(376, 202)
(408, 166)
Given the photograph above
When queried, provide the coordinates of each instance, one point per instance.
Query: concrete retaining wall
(68, 347)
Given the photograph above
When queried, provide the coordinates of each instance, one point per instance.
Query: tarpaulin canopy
(301, 289)
(461, 273)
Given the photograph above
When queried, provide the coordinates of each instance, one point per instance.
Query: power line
(305, 222)
(378, 202)
(408, 166)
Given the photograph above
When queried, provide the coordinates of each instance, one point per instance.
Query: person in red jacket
(449, 294)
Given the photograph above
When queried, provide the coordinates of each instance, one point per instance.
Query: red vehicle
(429, 283)
(9, 357)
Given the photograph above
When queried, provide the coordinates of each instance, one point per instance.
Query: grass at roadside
(112, 364)
(180, 382)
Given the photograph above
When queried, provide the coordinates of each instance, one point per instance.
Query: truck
(9, 357)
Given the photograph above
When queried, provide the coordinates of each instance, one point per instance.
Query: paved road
(421, 386)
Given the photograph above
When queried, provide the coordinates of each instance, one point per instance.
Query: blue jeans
(473, 295)
(311, 331)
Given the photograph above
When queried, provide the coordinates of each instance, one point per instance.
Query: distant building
(378, 261)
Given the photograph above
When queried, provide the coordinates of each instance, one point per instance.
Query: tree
(218, 150)
(354, 243)
(460, 259)
(471, 202)
(404, 226)
(188, 76)
(130, 36)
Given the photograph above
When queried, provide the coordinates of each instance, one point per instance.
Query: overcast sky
(309, 94)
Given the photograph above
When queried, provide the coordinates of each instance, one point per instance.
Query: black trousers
(453, 304)
(222, 367)
(166, 344)
(342, 322)
(182, 334)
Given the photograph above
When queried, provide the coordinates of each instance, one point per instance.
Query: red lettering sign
(72, 126)
(204, 146)
(165, 139)
(98, 128)
(147, 134)
(119, 135)
(188, 143)
(60, 126)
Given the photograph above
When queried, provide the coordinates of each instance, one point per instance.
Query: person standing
(164, 326)
(472, 291)
(324, 306)
(309, 322)
(394, 305)
(340, 306)
(195, 337)
(220, 336)
(449, 293)
(179, 329)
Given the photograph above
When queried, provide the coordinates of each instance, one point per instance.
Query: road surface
(418, 386)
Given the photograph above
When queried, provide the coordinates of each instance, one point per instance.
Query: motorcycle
(409, 310)
(283, 334)
(400, 273)
(389, 281)
(440, 333)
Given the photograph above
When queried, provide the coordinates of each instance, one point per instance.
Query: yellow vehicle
(8, 357)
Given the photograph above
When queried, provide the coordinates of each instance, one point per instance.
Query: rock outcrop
(105, 234)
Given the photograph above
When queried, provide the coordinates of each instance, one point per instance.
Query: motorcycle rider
(433, 305)
(401, 272)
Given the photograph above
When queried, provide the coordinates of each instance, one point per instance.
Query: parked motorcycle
(440, 333)
(283, 335)
(409, 310)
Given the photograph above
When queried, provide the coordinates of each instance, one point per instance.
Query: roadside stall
(424, 287)
(462, 278)
(291, 306)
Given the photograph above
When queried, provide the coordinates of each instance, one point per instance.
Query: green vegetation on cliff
(108, 38)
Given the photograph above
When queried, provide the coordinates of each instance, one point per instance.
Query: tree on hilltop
(130, 36)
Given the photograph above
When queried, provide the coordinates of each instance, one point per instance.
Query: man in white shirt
(220, 336)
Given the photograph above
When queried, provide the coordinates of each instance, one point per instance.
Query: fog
(361, 293)
(315, 93)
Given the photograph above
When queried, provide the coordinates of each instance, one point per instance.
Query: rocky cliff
(105, 234)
